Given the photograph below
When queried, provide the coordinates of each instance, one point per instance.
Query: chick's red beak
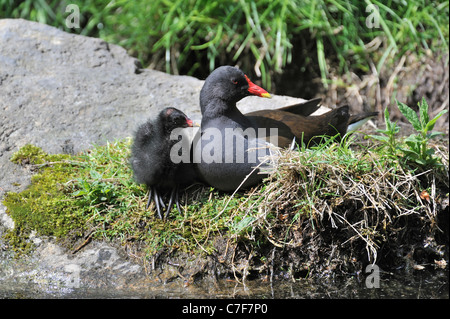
(189, 122)
(256, 90)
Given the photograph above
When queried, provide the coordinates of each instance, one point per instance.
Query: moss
(94, 193)
(29, 154)
(44, 206)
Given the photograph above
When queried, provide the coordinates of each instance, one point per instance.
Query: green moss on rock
(29, 154)
(45, 206)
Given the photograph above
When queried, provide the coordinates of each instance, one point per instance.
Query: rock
(5, 220)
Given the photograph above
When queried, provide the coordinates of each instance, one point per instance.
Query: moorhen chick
(151, 161)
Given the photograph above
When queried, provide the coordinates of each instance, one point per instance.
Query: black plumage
(223, 88)
(235, 162)
(152, 162)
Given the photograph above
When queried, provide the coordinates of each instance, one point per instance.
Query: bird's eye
(234, 81)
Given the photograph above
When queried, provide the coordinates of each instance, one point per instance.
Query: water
(417, 286)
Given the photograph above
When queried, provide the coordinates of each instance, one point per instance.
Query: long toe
(177, 200)
(161, 201)
(172, 197)
(157, 202)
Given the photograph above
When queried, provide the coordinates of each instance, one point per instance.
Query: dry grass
(410, 79)
(337, 207)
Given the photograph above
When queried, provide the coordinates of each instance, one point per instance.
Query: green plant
(388, 135)
(415, 148)
(95, 191)
(194, 37)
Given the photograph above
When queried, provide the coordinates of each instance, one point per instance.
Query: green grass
(194, 37)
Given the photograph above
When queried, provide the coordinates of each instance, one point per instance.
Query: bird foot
(155, 195)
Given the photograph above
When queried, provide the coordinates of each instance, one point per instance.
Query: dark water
(416, 286)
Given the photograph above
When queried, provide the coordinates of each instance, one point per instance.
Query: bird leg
(161, 201)
(177, 200)
(156, 196)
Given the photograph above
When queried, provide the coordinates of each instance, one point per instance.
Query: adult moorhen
(228, 152)
(151, 158)
(222, 89)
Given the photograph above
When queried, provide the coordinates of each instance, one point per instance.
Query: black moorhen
(151, 161)
(308, 129)
(228, 151)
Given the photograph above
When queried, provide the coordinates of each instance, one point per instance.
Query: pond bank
(48, 273)
(101, 271)
(247, 246)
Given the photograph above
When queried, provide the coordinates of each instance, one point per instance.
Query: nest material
(326, 214)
